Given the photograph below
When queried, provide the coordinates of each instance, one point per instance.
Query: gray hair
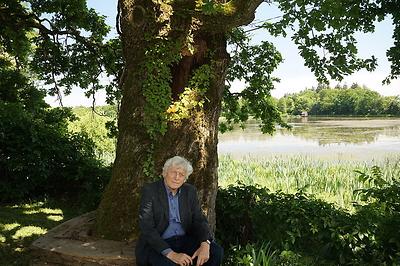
(180, 162)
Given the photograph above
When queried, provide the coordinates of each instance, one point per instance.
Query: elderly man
(174, 231)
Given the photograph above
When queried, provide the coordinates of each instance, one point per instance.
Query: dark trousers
(187, 245)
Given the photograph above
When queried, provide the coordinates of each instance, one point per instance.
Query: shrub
(251, 254)
(264, 255)
(39, 157)
(298, 222)
(382, 201)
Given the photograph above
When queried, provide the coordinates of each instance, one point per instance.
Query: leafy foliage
(324, 33)
(193, 96)
(156, 88)
(298, 222)
(39, 157)
(384, 204)
(63, 42)
(354, 100)
(94, 123)
(264, 255)
(251, 255)
(253, 64)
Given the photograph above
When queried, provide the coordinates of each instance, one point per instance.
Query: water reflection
(322, 137)
(331, 135)
(356, 131)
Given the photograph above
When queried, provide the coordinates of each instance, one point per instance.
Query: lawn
(21, 224)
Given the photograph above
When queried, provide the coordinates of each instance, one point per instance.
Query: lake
(361, 139)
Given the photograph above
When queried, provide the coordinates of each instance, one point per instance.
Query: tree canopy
(59, 43)
(63, 44)
(41, 44)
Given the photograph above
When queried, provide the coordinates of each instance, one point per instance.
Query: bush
(264, 255)
(300, 223)
(292, 222)
(251, 254)
(382, 201)
(39, 157)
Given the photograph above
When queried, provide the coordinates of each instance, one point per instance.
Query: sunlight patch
(51, 211)
(28, 231)
(29, 206)
(55, 218)
(19, 249)
(2, 239)
(31, 212)
(43, 210)
(9, 227)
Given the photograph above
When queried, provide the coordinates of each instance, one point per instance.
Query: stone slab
(71, 243)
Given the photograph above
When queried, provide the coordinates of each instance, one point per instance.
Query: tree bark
(194, 137)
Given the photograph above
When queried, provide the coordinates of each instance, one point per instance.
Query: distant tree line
(98, 124)
(341, 100)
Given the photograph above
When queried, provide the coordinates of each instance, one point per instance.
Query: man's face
(175, 177)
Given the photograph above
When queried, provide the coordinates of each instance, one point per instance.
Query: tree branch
(231, 14)
(24, 20)
(243, 11)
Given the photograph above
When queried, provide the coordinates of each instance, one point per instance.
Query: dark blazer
(154, 218)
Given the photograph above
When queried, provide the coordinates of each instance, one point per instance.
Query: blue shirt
(174, 227)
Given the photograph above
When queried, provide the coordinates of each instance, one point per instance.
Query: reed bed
(332, 181)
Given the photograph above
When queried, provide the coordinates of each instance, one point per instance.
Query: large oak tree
(173, 74)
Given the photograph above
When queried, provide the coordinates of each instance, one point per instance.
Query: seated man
(174, 231)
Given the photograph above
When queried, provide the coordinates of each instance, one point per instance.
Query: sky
(293, 74)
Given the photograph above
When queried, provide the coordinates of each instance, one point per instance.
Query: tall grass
(251, 255)
(333, 181)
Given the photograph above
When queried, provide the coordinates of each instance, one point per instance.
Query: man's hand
(202, 253)
(181, 259)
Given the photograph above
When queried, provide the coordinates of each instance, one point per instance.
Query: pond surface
(324, 138)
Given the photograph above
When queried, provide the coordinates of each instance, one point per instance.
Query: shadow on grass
(21, 224)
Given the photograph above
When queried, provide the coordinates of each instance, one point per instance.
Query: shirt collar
(169, 191)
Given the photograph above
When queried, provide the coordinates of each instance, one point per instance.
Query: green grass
(21, 224)
(333, 181)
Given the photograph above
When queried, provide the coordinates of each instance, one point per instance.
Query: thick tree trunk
(194, 137)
